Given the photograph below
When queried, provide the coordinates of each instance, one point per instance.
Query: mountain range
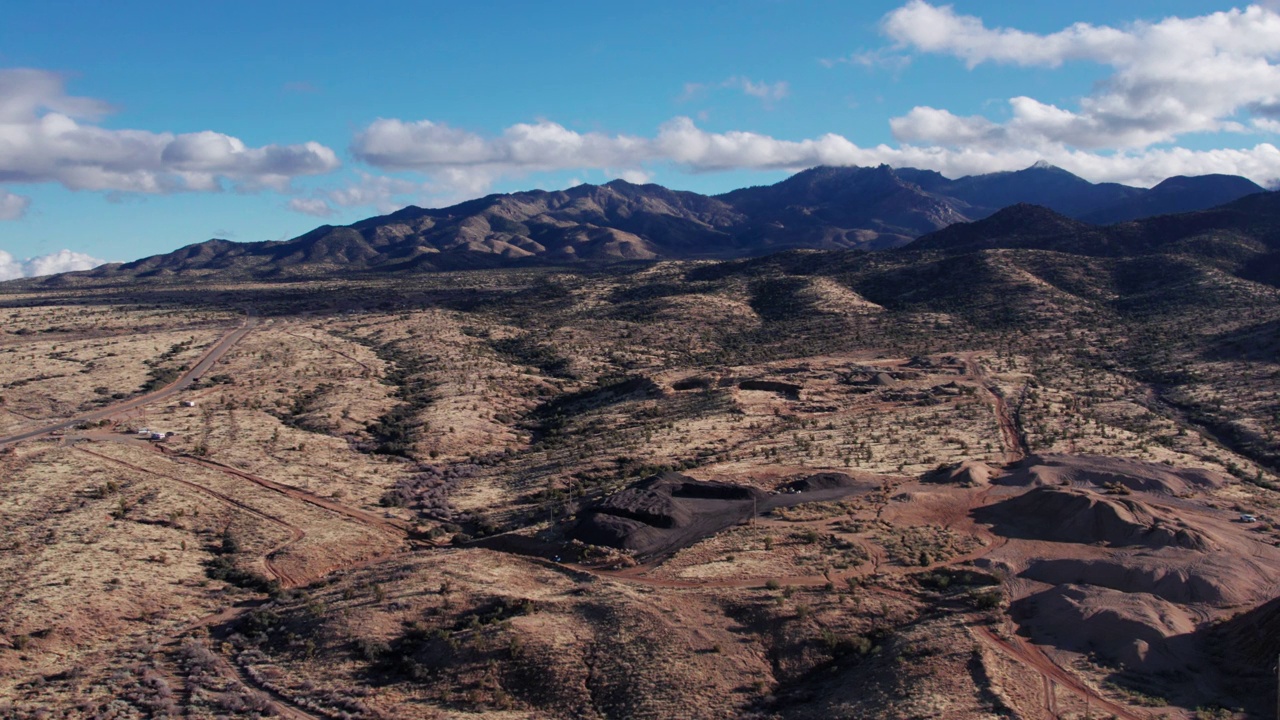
(825, 208)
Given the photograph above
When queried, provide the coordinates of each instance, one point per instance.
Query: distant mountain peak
(823, 208)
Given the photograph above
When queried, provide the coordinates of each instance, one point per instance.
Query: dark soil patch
(665, 513)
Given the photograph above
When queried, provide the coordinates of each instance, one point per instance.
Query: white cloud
(940, 30)
(49, 136)
(462, 164)
(13, 207)
(941, 126)
(767, 92)
(395, 144)
(370, 190)
(682, 142)
(311, 206)
(1209, 74)
(1175, 76)
(59, 262)
(1267, 125)
(637, 177)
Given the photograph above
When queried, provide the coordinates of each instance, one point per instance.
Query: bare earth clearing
(639, 494)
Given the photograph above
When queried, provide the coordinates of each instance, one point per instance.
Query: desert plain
(763, 489)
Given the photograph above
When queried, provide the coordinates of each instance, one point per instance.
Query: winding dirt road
(211, 357)
(295, 533)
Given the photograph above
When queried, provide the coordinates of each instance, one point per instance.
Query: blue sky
(133, 128)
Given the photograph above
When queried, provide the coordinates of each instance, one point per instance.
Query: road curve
(1033, 658)
(214, 355)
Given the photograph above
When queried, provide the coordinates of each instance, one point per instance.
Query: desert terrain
(797, 487)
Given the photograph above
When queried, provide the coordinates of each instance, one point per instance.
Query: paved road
(215, 353)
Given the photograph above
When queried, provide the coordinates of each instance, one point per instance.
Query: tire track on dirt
(322, 346)
(395, 528)
(1032, 657)
(1014, 442)
(282, 706)
(280, 703)
(295, 533)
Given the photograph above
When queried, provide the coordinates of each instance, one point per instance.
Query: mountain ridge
(823, 208)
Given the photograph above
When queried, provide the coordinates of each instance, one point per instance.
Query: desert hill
(963, 483)
(1242, 236)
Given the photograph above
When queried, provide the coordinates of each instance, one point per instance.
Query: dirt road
(1015, 443)
(1028, 655)
(214, 354)
(391, 526)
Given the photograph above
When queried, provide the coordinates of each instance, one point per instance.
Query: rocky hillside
(1241, 237)
(822, 208)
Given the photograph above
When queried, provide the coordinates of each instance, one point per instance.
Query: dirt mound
(822, 481)
(787, 390)
(1175, 575)
(969, 472)
(1254, 636)
(664, 513)
(1244, 648)
(1099, 471)
(697, 382)
(1136, 630)
(1078, 516)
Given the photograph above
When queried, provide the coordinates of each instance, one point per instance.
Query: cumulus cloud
(460, 155)
(49, 136)
(1175, 76)
(1215, 73)
(462, 164)
(1267, 125)
(637, 177)
(59, 262)
(13, 207)
(941, 30)
(397, 145)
